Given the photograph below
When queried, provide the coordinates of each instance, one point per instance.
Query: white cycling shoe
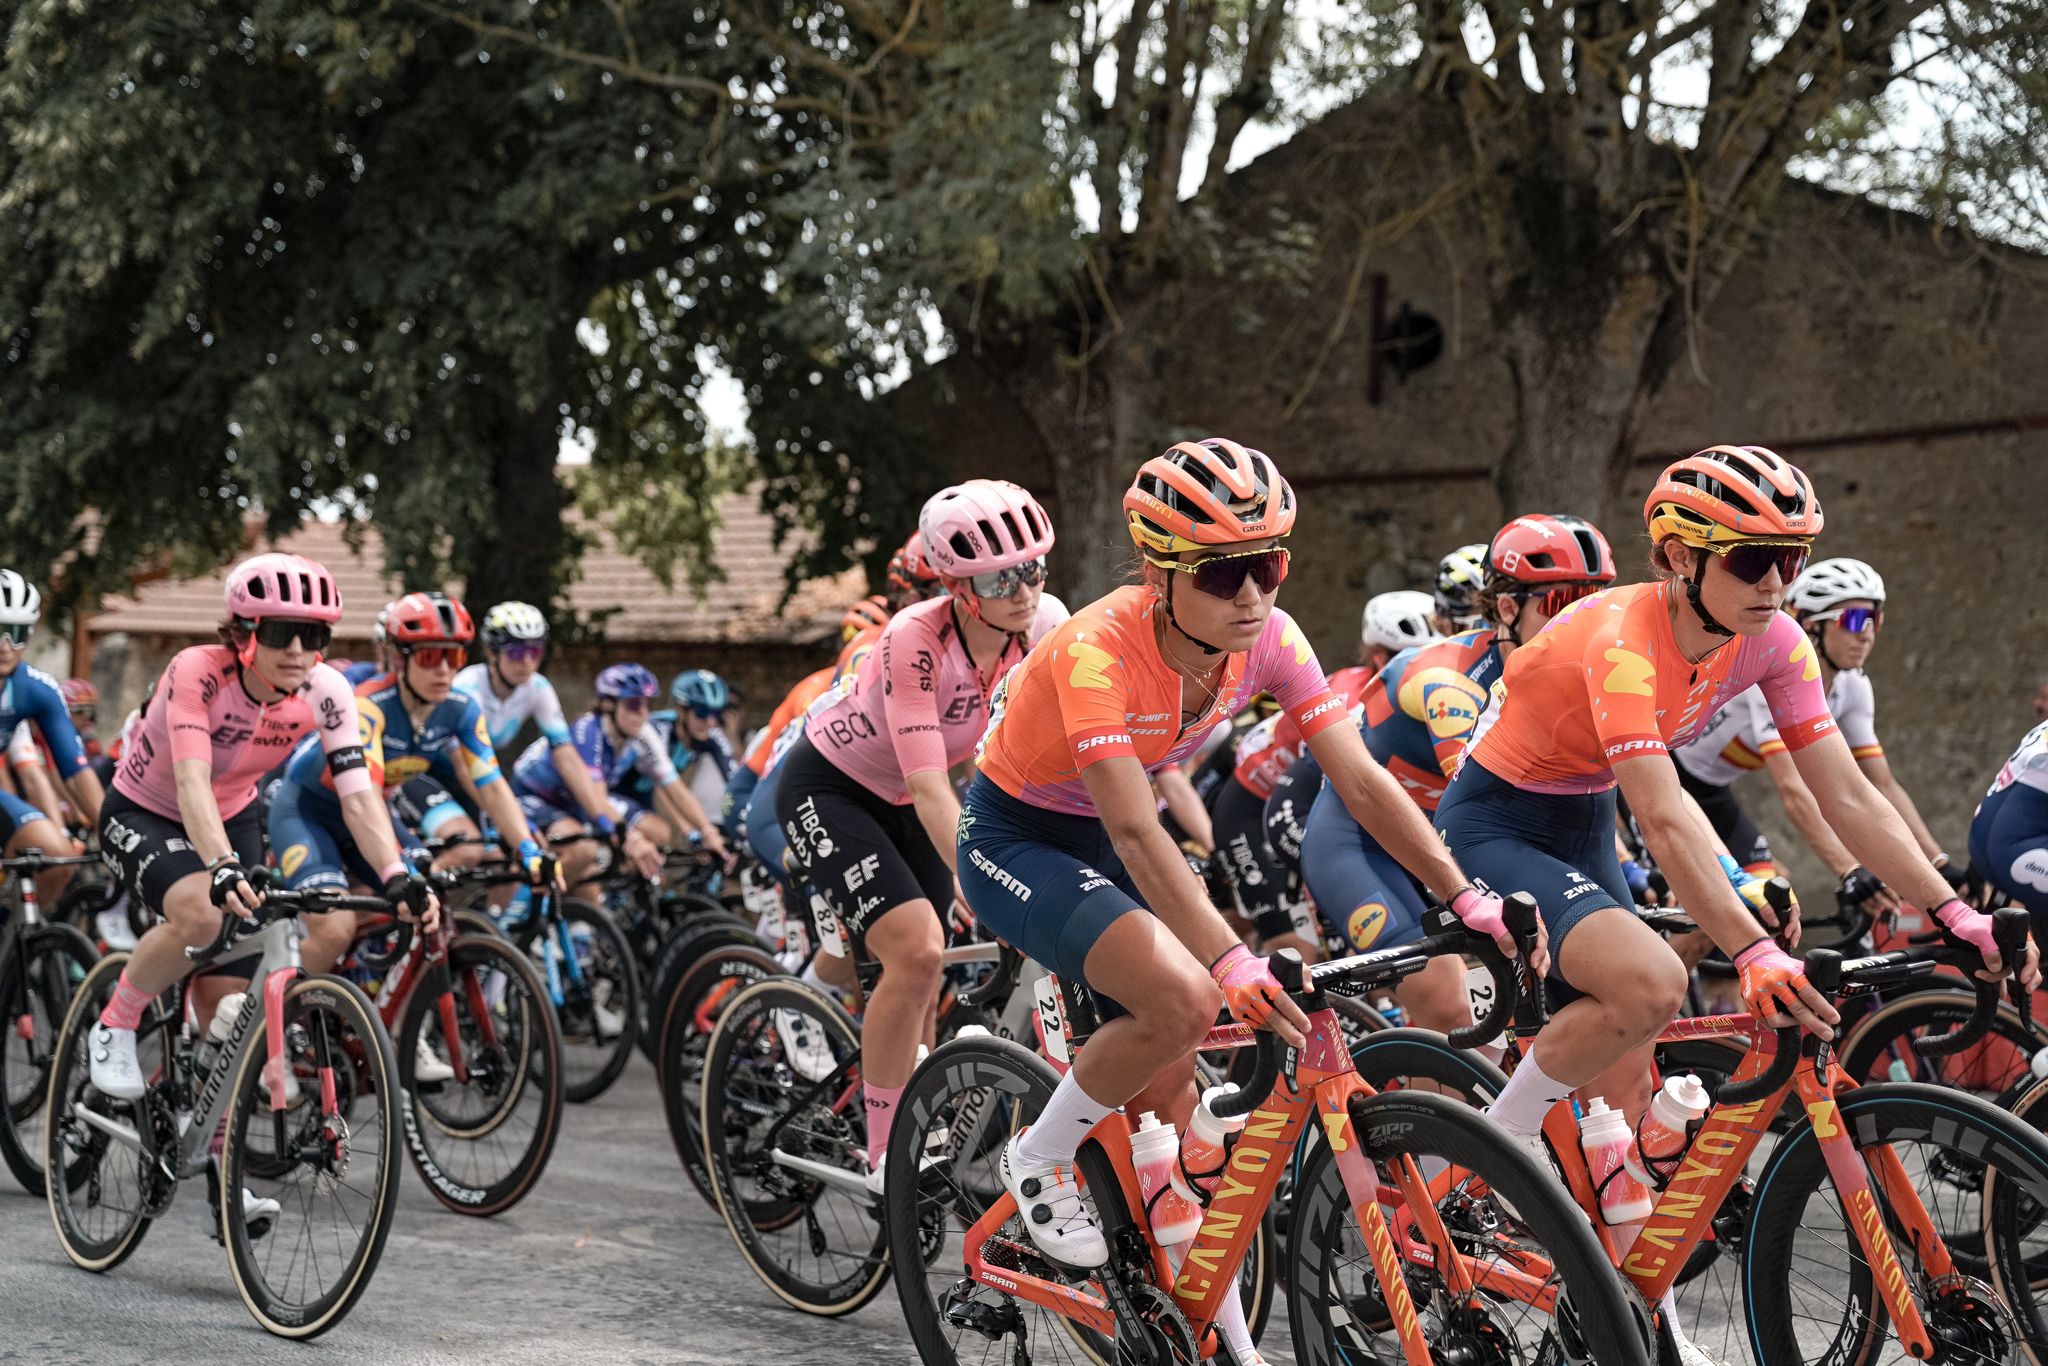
(115, 1072)
(113, 927)
(804, 1045)
(1691, 1353)
(268, 1081)
(609, 1023)
(1049, 1202)
(427, 1067)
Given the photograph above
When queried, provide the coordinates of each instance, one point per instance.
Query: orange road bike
(1451, 1274)
(1870, 1223)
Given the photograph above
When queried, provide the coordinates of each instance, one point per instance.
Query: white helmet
(513, 621)
(1459, 577)
(1399, 620)
(1830, 583)
(380, 630)
(20, 604)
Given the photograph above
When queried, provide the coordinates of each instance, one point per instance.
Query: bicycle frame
(404, 975)
(1326, 1085)
(1719, 1153)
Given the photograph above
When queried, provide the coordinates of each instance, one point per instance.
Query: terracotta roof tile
(739, 610)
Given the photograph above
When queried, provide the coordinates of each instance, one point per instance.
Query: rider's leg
(908, 942)
(327, 940)
(34, 830)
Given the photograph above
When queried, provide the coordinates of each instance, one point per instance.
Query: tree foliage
(273, 258)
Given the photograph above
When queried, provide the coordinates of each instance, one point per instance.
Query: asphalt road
(614, 1258)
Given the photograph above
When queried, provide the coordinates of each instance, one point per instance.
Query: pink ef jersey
(916, 703)
(200, 710)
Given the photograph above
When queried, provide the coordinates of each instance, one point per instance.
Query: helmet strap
(503, 684)
(1167, 598)
(1692, 595)
(1817, 633)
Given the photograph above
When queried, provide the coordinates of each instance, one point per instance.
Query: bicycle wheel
(784, 1136)
(686, 1025)
(109, 1192)
(1814, 1297)
(481, 1141)
(39, 974)
(599, 1009)
(683, 946)
(1880, 1046)
(336, 1201)
(955, 1115)
(2013, 1213)
(1335, 1303)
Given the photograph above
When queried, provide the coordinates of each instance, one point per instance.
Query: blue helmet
(699, 690)
(627, 680)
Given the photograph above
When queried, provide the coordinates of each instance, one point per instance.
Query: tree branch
(1245, 102)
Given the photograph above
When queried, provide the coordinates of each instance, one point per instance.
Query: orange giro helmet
(869, 611)
(428, 619)
(1207, 493)
(1733, 493)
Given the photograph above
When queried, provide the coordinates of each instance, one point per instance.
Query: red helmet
(79, 693)
(872, 611)
(908, 570)
(1733, 493)
(280, 585)
(428, 619)
(1207, 493)
(1546, 548)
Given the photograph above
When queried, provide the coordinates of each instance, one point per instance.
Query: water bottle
(1605, 1139)
(1154, 1148)
(2038, 1065)
(1202, 1151)
(1390, 1011)
(217, 1030)
(1660, 1137)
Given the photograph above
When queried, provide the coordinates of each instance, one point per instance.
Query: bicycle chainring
(1166, 1338)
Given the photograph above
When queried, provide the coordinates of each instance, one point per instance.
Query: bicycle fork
(1851, 1170)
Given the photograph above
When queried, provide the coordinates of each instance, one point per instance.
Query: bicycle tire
(1608, 1323)
(523, 1066)
(79, 1150)
(759, 1198)
(1878, 1047)
(2012, 1213)
(342, 1031)
(682, 948)
(1777, 1269)
(39, 973)
(611, 984)
(706, 988)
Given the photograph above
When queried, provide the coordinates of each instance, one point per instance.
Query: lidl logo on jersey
(1444, 699)
(1365, 924)
(289, 862)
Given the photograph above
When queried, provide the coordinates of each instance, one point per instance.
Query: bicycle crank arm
(120, 1133)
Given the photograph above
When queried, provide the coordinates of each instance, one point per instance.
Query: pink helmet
(280, 585)
(981, 526)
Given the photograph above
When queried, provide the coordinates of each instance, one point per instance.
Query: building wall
(1848, 336)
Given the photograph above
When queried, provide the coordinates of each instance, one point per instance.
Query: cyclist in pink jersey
(1062, 852)
(182, 824)
(864, 797)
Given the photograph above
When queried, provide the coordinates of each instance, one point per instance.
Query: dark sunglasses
(278, 633)
(706, 713)
(18, 632)
(1750, 561)
(87, 713)
(1004, 583)
(1220, 576)
(1855, 620)
(437, 656)
(1551, 601)
(633, 704)
(524, 654)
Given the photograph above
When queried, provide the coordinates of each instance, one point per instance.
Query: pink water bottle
(1203, 1151)
(1661, 1136)
(1605, 1139)
(1155, 1149)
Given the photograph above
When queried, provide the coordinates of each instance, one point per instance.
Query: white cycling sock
(1669, 1304)
(810, 976)
(1526, 1099)
(1230, 1323)
(1056, 1135)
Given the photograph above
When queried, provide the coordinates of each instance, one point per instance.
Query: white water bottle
(1605, 1139)
(1660, 1137)
(1155, 1152)
(1203, 1151)
(224, 1014)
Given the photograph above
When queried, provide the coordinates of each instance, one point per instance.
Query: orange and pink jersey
(200, 710)
(1097, 688)
(1607, 681)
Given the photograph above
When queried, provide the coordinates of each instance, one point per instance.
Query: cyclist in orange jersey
(1061, 849)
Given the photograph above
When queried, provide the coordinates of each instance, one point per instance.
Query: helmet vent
(962, 547)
